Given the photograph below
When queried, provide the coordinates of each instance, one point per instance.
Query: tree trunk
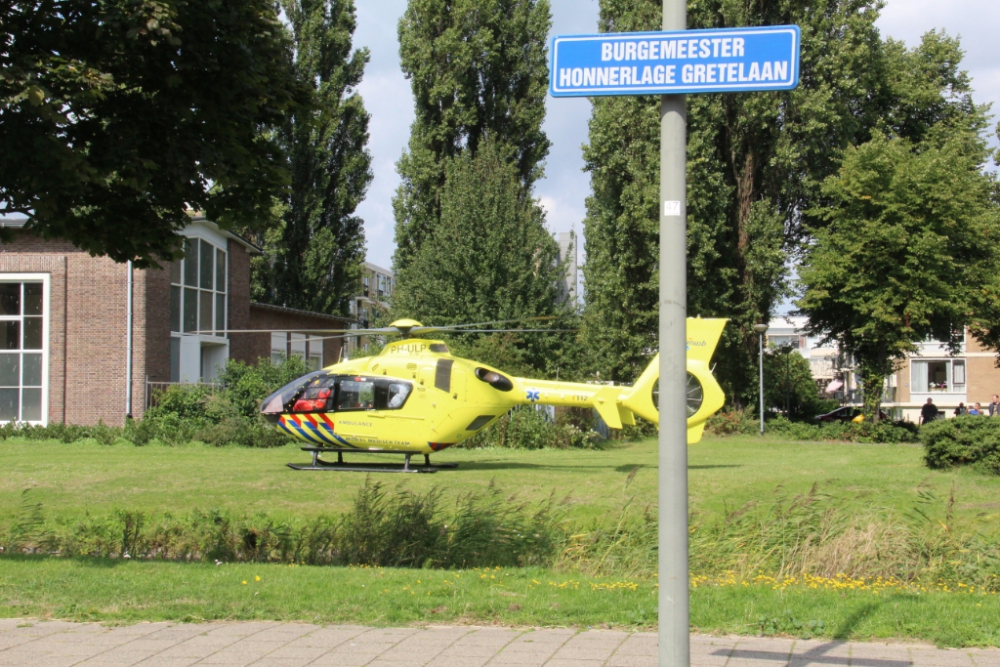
(873, 377)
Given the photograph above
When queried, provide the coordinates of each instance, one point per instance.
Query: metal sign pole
(674, 609)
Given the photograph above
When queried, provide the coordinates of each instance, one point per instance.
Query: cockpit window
(356, 394)
(284, 399)
(317, 396)
(398, 392)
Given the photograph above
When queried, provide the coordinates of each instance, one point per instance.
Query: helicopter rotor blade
(462, 327)
(353, 332)
(509, 331)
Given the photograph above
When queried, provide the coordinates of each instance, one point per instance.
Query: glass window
(938, 375)
(9, 405)
(958, 374)
(10, 298)
(356, 395)
(10, 369)
(397, 395)
(207, 262)
(10, 335)
(220, 314)
(32, 298)
(205, 322)
(175, 359)
(22, 341)
(190, 309)
(191, 262)
(31, 405)
(32, 370)
(279, 349)
(315, 352)
(199, 303)
(175, 308)
(220, 271)
(32, 333)
(299, 345)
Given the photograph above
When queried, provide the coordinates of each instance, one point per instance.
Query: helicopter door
(355, 394)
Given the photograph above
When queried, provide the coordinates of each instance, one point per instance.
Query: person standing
(928, 412)
(976, 410)
(995, 406)
(960, 410)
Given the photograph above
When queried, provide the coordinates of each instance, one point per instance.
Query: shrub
(746, 423)
(401, 529)
(246, 386)
(968, 440)
(528, 428)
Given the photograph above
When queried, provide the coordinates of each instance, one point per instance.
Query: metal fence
(154, 390)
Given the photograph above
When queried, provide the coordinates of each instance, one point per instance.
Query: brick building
(968, 376)
(69, 355)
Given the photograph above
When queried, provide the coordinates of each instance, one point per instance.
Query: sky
(562, 192)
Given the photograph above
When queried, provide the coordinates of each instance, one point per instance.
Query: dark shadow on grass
(711, 467)
(89, 561)
(517, 465)
(851, 622)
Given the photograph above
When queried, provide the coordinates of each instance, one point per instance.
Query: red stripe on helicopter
(438, 446)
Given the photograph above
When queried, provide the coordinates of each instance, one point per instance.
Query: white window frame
(189, 370)
(46, 281)
(949, 375)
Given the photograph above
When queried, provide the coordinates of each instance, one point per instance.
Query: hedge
(968, 440)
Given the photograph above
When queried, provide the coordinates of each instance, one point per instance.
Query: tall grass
(809, 534)
(399, 529)
(814, 534)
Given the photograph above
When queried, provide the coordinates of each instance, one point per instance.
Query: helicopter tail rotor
(704, 395)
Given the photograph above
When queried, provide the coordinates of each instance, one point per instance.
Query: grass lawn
(123, 592)
(724, 473)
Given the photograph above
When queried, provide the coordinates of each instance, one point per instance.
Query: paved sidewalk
(273, 644)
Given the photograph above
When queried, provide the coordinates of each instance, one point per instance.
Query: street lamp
(761, 329)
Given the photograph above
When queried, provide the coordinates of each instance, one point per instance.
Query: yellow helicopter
(415, 397)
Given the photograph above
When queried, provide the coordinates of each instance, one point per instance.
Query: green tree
(788, 381)
(478, 71)
(116, 116)
(488, 258)
(313, 255)
(753, 162)
(904, 249)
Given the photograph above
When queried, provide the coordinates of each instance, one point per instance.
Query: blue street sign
(687, 61)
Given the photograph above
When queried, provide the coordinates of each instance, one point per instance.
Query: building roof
(378, 269)
(297, 311)
(251, 248)
(20, 222)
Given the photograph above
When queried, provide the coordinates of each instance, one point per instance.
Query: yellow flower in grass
(256, 578)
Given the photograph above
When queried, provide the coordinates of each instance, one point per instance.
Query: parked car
(846, 414)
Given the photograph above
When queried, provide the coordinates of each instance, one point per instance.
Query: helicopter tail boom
(618, 406)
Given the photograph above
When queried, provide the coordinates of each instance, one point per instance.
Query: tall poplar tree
(756, 161)
(478, 71)
(488, 258)
(313, 255)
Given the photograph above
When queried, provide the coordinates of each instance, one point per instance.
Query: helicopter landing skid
(341, 465)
